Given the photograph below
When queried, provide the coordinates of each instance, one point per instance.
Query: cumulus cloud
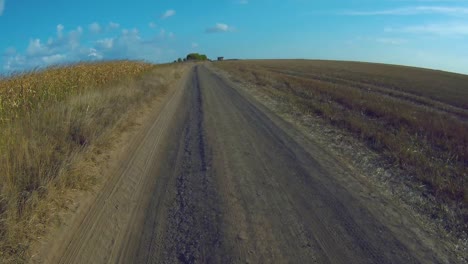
(93, 54)
(2, 6)
(219, 27)
(125, 44)
(107, 43)
(60, 28)
(53, 59)
(168, 14)
(73, 39)
(37, 48)
(95, 28)
(130, 44)
(113, 25)
(12, 62)
(63, 48)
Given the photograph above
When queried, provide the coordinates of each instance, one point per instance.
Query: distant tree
(179, 60)
(196, 56)
(192, 56)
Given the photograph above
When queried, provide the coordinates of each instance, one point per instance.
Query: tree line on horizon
(193, 57)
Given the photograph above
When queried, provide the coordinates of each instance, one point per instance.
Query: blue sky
(425, 33)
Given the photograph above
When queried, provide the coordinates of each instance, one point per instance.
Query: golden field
(50, 121)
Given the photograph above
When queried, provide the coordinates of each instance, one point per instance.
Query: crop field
(49, 119)
(417, 118)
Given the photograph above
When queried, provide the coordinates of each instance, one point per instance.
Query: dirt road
(217, 178)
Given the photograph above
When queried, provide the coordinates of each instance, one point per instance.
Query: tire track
(100, 233)
(193, 234)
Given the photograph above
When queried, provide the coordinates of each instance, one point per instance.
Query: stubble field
(416, 118)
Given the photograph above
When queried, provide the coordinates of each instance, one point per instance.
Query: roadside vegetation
(417, 118)
(49, 121)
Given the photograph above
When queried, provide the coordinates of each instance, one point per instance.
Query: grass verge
(50, 120)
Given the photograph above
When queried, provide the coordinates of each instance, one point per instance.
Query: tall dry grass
(22, 93)
(50, 120)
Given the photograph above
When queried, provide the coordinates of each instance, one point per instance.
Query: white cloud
(194, 45)
(2, 6)
(11, 63)
(74, 38)
(94, 54)
(63, 48)
(35, 47)
(53, 59)
(131, 45)
(95, 28)
(113, 25)
(130, 33)
(219, 27)
(60, 28)
(168, 13)
(106, 43)
(152, 25)
(417, 10)
(125, 44)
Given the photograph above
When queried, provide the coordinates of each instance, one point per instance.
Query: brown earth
(218, 178)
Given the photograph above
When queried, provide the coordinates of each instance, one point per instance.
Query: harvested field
(417, 118)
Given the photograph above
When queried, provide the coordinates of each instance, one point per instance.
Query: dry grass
(20, 94)
(49, 120)
(423, 131)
